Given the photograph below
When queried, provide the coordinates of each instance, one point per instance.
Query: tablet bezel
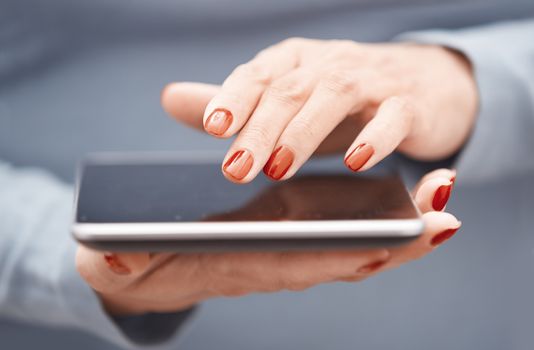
(242, 235)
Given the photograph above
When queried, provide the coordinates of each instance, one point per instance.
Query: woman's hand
(137, 283)
(301, 96)
(291, 100)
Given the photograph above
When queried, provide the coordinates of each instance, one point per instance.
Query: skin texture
(306, 96)
(315, 96)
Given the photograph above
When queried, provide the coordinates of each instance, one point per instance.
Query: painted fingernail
(115, 265)
(279, 163)
(218, 121)
(441, 197)
(372, 266)
(359, 156)
(443, 236)
(239, 164)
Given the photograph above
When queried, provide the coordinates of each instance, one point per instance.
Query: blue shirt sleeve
(502, 56)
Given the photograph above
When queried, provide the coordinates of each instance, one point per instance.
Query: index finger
(231, 108)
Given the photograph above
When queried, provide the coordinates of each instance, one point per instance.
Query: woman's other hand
(303, 96)
(136, 283)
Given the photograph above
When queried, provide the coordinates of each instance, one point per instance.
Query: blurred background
(78, 77)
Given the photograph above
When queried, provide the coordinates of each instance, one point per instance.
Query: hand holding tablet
(133, 283)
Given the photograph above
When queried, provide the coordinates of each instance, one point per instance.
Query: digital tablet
(184, 204)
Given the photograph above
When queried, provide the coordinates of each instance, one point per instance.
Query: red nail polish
(218, 121)
(441, 197)
(372, 266)
(359, 156)
(239, 164)
(115, 265)
(279, 163)
(443, 236)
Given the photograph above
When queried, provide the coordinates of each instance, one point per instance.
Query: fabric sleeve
(502, 56)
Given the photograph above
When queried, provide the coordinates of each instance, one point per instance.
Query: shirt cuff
(486, 155)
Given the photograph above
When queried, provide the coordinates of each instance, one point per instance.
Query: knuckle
(293, 41)
(221, 277)
(279, 283)
(340, 82)
(253, 71)
(297, 286)
(296, 282)
(399, 103)
(269, 287)
(405, 109)
(287, 282)
(290, 278)
(214, 266)
(212, 269)
(343, 44)
(257, 134)
(305, 129)
(286, 92)
(344, 51)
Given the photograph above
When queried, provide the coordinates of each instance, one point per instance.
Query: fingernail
(115, 265)
(239, 164)
(218, 121)
(279, 163)
(371, 267)
(441, 197)
(359, 156)
(443, 236)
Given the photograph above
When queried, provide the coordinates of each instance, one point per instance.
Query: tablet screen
(179, 192)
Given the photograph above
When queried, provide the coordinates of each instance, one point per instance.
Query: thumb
(186, 101)
(110, 272)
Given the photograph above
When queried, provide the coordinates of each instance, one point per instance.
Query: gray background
(87, 77)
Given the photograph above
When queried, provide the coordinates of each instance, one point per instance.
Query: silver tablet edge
(248, 230)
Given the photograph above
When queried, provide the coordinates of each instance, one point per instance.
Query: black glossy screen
(168, 192)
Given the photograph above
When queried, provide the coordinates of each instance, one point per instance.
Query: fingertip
(438, 173)
(230, 178)
(384, 254)
(358, 158)
(441, 196)
(453, 177)
(433, 194)
(440, 227)
(237, 167)
(116, 264)
(444, 235)
(165, 91)
(218, 122)
(376, 264)
(279, 163)
(106, 272)
(440, 218)
(137, 263)
(166, 99)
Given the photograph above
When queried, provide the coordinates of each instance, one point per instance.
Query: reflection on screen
(198, 192)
